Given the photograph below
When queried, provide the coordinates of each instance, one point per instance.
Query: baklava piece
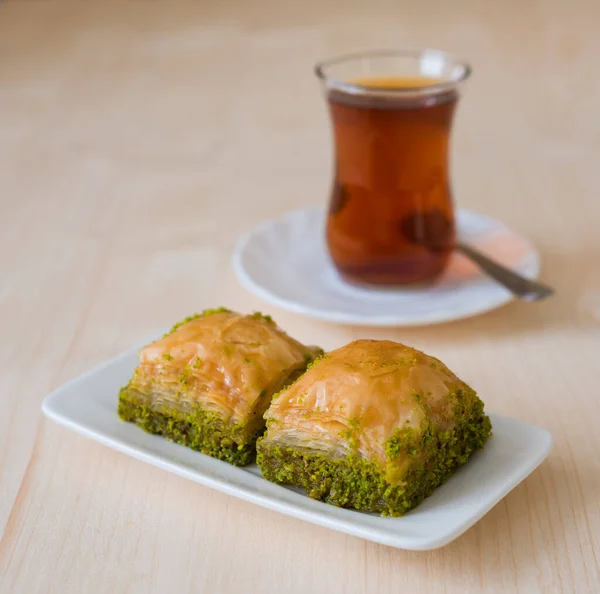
(374, 425)
(207, 383)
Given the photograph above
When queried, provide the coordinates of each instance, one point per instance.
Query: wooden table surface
(139, 139)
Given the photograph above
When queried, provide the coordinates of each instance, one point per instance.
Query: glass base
(374, 277)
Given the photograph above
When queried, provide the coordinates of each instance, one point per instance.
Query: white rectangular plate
(88, 405)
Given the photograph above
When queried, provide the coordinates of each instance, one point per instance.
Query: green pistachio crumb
(417, 396)
(184, 376)
(216, 310)
(316, 360)
(354, 423)
(206, 312)
(257, 315)
(198, 429)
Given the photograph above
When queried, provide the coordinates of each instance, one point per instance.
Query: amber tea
(391, 217)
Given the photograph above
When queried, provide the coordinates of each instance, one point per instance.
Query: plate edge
(286, 508)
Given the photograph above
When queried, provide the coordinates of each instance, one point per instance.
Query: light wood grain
(138, 139)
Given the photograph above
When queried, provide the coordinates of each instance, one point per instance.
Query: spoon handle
(521, 287)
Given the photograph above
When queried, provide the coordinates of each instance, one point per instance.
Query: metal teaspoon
(521, 287)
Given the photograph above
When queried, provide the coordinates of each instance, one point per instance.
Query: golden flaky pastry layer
(227, 362)
(358, 396)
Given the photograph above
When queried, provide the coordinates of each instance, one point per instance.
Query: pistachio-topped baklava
(374, 425)
(207, 383)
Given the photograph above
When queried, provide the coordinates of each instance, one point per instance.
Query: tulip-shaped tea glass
(391, 219)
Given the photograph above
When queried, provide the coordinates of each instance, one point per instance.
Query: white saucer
(286, 262)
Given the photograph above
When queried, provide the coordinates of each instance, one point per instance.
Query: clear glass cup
(391, 217)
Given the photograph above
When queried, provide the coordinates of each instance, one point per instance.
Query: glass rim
(355, 88)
